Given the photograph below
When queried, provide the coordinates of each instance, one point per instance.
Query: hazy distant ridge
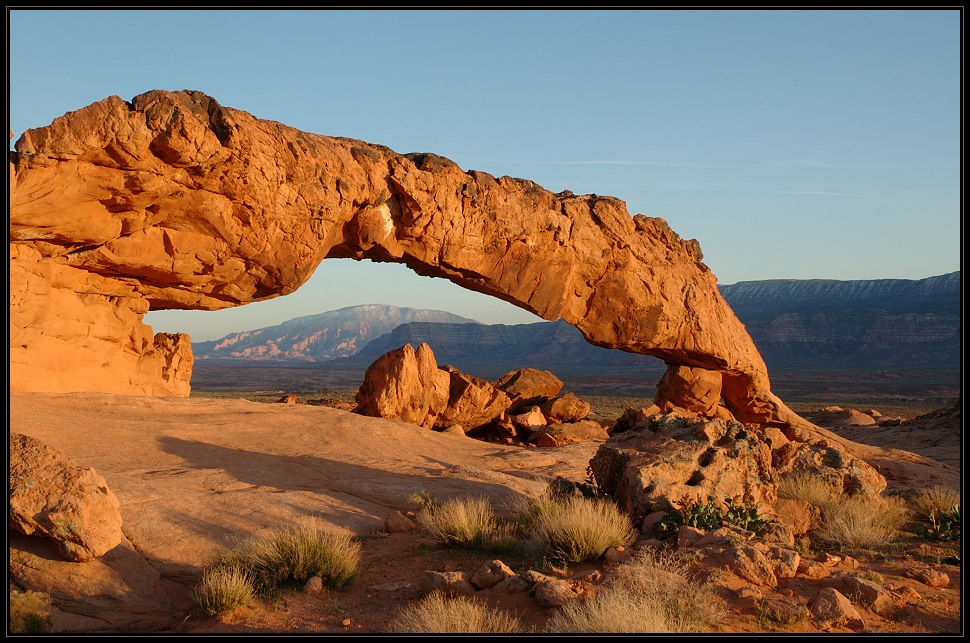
(322, 337)
(758, 294)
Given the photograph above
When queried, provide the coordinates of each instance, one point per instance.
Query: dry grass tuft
(935, 500)
(813, 489)
(296, 554)
(224, 589)
(650, 594)
(468, 523)
(863, 521)
(437, 614)
(576, 529)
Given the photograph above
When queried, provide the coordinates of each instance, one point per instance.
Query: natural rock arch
(172, 201)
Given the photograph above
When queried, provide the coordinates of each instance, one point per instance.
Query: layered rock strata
(172, 201)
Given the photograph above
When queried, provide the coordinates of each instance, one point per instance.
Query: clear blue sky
(792, 144)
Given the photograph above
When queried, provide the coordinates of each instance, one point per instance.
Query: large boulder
(52, 496)
(528, 387)
(670, 460)
(404, 384)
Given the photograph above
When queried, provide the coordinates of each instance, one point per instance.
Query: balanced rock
(52, 496)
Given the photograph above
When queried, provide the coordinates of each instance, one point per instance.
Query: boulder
(672, 459)
(52, 496)
(528, 387)
(567, 408)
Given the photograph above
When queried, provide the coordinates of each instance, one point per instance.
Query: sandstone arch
(171, 200)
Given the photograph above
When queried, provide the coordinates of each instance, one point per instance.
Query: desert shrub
(437, 613)
(296, 554)
(650, 594)
(223, 589)
(30, 612)
(863, 521)
(575, 528)
(468, 523)
(935, 499)
(813, 489)
(938, 511)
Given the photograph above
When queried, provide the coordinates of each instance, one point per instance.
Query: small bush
(650, 594)
(293, 555)
(223, 589)
(30, 612)
(460, 522)
(437, 613)
(813, 489)
(863, 521)
(934, 500)
(938, 511)
(575, 528)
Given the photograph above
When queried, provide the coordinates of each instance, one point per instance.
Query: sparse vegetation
(293, 555)
(440, 614)
(224, 589)
(815, 490)
(30, 612)
(576, 528)
(863, 521)
(468, 523)
(650, 594)
(937, 510)
(708, 515)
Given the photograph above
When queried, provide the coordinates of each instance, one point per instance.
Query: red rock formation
(171, 201)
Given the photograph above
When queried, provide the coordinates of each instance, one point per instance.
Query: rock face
(52, 496)
(172, 201)
(667, 460)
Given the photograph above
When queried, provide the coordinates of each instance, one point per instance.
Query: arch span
(171, 200)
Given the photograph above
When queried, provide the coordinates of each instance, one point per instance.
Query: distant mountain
(492, 350)
(319, 338)
(797, 325)
(885, 324)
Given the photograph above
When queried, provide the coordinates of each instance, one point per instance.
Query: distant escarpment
(895, 324)
(490, 350)
(319, 338)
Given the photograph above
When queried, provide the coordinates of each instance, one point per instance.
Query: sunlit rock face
(172, 201)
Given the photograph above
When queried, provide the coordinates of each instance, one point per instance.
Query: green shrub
(708, 516)
(650, 594)
(437, 613)
(941, 525)
(293, 555)
(574, 529)
(30, 612)
(223, 589)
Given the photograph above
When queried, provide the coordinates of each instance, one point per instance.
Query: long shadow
(318, 474)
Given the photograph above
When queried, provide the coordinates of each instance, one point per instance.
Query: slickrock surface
(191, 474)
(171, 200)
